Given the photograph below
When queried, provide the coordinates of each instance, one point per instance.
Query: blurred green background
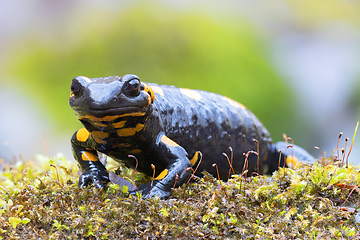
(229, 48)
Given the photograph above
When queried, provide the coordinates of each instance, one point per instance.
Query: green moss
(42, 201)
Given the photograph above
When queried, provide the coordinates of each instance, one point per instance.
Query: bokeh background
(295, 64)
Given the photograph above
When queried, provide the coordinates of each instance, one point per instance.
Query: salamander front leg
(93, 171)
(176, 172)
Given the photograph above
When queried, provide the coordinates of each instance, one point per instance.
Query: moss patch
(42, 200)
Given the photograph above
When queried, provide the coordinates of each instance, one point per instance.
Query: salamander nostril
(76, 88)
(77, 85)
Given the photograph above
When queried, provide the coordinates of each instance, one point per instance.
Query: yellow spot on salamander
(112, 118)
(119, 124)
(99, 134)
(99, 124)
(291, 161)
(234, 103)
(158, 90)
(195, 158)
(162, 175)
(168, 141)
(82, 135)
(99, 140)
(149, 90)
(88, 156)
(126, 132)
(191, 93)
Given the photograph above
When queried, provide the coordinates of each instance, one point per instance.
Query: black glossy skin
(165, 126)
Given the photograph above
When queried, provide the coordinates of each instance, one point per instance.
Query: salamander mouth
(98, 113)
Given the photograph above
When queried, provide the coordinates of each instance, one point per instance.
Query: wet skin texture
(167, 126)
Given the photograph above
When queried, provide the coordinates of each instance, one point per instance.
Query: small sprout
(59, 226)
(164, 212)
(138, 194)
(290, 145)
(317, 148)
(25, 220)
(285, 137)
(217, 170)
(322, 155)
(14, 221)
(82, 208)
(153, 176)
(352, 190)
(125, 189)
(230, 161)
(193, 174)
(137, 189)
(279, 163)
(233, 220)
(258, 156)
(176, 179)
(4, 189)
(136, 165)
(337, 146)
(289, 138)
(352, 143)
(57, 175)
(246, 162)
(343, 160)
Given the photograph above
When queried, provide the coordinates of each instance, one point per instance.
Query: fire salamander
(166, 127)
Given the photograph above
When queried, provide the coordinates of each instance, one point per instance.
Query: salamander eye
(75, 89)
(133, 88)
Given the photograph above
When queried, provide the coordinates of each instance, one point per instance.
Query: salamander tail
(289, 155)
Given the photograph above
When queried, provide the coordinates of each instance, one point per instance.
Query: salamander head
(110, 97)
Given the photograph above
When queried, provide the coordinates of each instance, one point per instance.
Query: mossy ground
(42, 201)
